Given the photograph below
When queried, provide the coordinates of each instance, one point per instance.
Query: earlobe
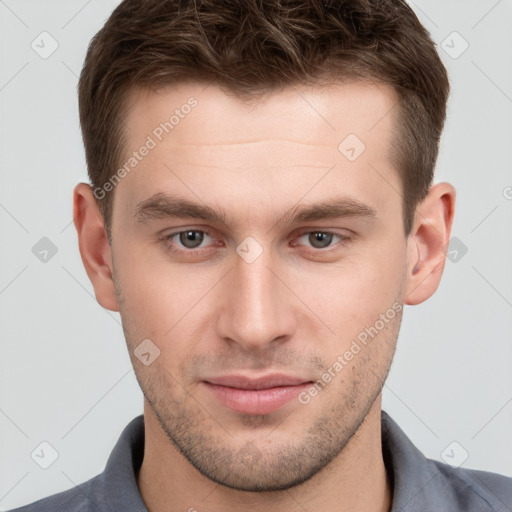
(93, 245)
(428, 241)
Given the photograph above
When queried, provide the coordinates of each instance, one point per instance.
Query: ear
(93, 244)
(428, 242)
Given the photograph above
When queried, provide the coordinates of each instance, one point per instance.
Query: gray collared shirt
(419, 484)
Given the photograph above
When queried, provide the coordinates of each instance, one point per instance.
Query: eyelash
(165, 239)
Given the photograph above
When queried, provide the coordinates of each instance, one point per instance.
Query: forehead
(325, 112)
(205, 140)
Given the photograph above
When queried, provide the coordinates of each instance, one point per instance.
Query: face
(291, 262)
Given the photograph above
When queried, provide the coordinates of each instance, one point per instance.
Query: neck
(355, 480)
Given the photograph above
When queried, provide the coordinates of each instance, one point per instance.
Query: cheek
(153, 286)
(169, 304)
(351, 296)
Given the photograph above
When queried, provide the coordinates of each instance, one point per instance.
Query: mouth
(262, 395)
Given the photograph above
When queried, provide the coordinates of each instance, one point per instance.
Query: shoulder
(428, 485)
(113, 489)
(475, 489)
(80, 498)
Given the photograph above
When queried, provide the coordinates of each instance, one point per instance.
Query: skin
(293, 310)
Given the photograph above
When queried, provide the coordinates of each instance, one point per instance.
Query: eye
(186, 240)
(323, 239)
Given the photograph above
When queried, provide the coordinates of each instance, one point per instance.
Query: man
(261, 208)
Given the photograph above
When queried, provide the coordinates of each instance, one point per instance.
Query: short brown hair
(248, 47)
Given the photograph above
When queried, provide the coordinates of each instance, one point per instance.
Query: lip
(263, 382)
(262, 395)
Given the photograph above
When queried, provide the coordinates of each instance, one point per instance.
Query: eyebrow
(162, 206)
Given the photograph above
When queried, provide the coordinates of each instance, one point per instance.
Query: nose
(256, 307)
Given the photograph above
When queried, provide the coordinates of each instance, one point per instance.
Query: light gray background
(65, 374)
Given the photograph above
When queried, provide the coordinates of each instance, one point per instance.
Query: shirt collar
(119, 484)
(413, 477)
